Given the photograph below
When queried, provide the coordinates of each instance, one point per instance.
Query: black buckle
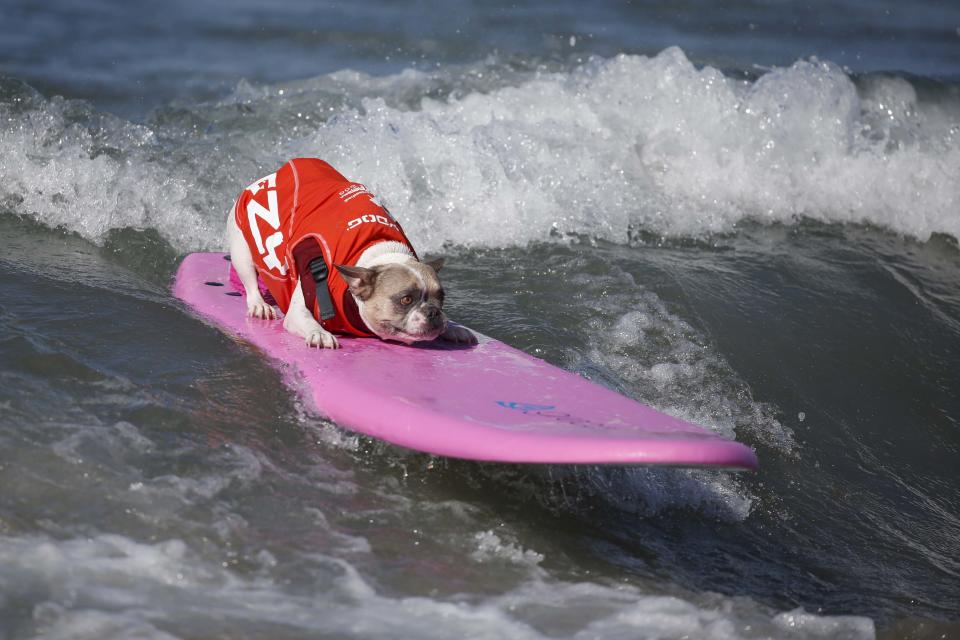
(319, 271)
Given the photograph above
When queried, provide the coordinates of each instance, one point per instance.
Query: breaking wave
(490, 155)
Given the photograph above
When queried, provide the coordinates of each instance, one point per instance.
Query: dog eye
(405, 300)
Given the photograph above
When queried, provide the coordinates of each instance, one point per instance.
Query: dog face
(399, 301)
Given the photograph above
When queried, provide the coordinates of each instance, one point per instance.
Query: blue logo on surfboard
(525, 406)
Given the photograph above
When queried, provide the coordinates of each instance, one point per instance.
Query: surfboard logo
(525, 406)
(550, 412)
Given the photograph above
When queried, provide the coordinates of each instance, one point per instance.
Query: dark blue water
(745, 214)
(131, 57)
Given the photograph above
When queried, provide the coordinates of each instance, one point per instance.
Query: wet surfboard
(488, 402)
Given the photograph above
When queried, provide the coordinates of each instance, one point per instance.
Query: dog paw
(322, 340)
(260, 309)
(458, 335)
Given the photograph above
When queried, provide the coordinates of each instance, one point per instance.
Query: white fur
(300, 321)
(385, 252)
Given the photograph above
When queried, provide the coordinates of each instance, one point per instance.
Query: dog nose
(433, 313)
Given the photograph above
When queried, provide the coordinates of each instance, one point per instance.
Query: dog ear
(360, 279)
(436, 265)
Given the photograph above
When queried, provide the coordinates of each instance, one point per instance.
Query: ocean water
(746, 214)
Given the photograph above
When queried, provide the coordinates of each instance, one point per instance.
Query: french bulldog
(311, 218)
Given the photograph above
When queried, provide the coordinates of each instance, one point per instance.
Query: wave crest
(609, 147)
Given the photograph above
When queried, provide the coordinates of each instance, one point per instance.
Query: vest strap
(319, 271)
(308, 257)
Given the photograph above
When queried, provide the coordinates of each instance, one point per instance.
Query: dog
(334, 260)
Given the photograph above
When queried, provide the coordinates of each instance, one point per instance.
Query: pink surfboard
(489, 402)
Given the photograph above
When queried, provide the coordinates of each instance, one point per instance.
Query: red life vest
(307, 210)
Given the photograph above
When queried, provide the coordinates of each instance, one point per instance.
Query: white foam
(492, 547)
(60, 623)
(109, 586)
(70, 167)
(654, 143)
(613, 145)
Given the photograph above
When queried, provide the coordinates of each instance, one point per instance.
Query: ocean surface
(743, 213)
